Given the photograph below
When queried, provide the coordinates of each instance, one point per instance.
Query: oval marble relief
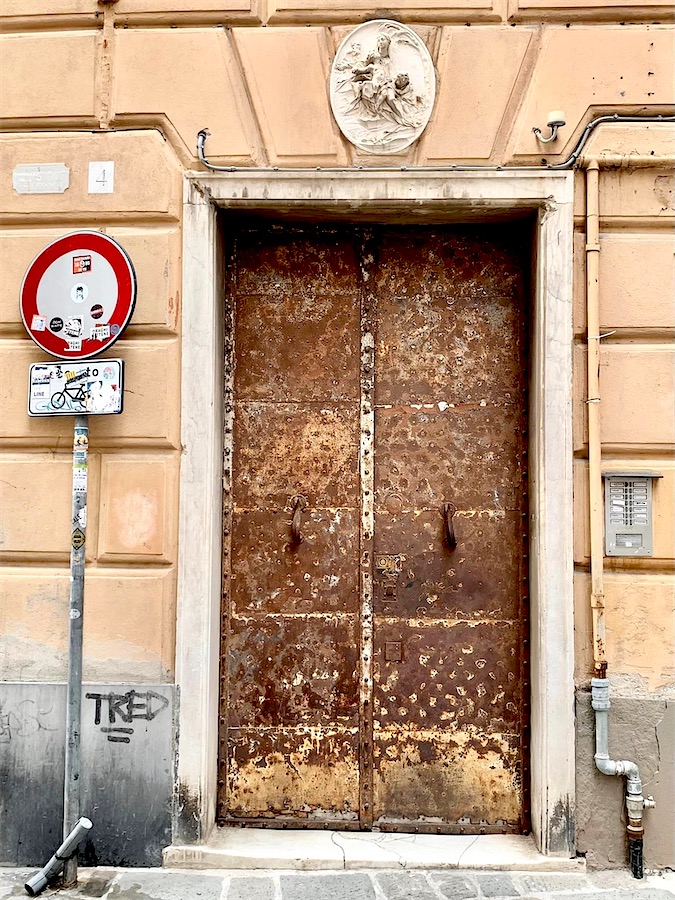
(382, 86)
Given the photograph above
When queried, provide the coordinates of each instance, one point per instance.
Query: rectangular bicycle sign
(76, 388)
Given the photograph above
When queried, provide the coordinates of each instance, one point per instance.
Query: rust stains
(451, 674)
(308, 773)
(284, 449)
(270, 575)
(375, 673)
(293, 671)
(449, 329)
(463, 777)
(426, 455)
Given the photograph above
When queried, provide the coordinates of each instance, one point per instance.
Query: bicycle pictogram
(76, 392)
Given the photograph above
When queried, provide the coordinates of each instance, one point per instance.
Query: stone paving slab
(391, 884)
(251, 888)
(12, 882)
(402, 885)
(347, 886)
(454, 886)
(554, 881)
(497, 885)
(156, 886)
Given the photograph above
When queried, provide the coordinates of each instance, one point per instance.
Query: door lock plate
(389, 565)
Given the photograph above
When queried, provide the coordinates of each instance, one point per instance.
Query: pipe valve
(636, 803)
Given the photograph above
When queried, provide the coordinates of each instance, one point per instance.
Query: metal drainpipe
(593, 404)
(635, 801)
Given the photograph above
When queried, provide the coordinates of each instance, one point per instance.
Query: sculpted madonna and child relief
(382, 86)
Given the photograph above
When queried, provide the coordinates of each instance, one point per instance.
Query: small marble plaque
(41, 178)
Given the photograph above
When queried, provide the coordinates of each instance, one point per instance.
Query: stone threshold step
(263, 848)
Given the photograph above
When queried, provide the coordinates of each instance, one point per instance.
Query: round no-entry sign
(78, 295)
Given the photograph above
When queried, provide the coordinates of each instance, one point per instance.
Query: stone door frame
(420, 195)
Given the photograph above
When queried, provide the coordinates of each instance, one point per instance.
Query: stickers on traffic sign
(91, 388)
(81, 264)
(78, 295)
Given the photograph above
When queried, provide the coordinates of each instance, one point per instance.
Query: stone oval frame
(382, 86)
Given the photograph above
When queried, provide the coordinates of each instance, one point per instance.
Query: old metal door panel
(270, 575)
(290, 698)
(283, 449)
(427, 456)
(475, 581)
(460, 672)
(449, 324)
(283, 262)
(425, 777)
(473, 458)
(293, 671)
(449, 686)
(449, 701)
(297, 315)
(294, 703)
(293, 773)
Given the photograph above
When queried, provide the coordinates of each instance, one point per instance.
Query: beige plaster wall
(637, 416)
(133, 81)
(129, 619)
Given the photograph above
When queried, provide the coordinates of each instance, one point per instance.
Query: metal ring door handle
(299, 505)
(449, 539)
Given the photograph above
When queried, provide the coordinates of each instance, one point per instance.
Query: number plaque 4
(101, 177)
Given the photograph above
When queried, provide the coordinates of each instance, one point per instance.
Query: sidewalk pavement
(380, 884)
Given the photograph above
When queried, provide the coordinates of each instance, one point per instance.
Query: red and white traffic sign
(78, 295)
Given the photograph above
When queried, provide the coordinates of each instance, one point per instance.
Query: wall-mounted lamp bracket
(556, 120)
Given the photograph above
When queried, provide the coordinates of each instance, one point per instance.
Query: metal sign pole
(71, 791)
(76, 299)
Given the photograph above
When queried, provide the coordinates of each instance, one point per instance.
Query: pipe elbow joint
(606, 765)
(632, 773)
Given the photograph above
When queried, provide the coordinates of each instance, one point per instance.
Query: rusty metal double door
(374, 644)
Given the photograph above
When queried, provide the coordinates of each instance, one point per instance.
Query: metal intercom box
(629, 513)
